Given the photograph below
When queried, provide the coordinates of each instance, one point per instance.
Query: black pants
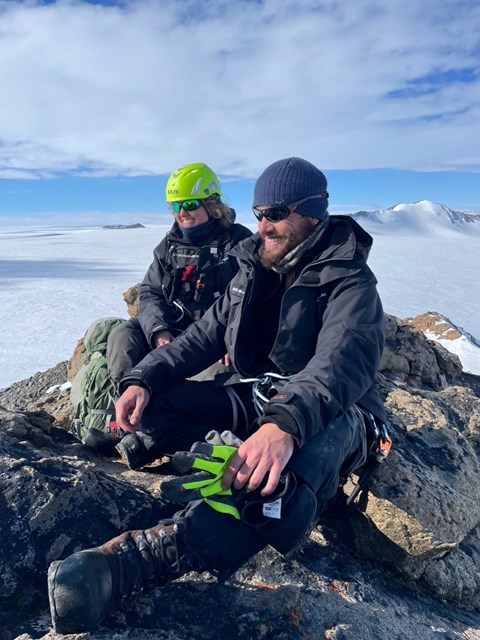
(187, 412)
(217, 542)
(176, 419)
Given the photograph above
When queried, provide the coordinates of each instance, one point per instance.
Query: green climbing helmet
(192, 181)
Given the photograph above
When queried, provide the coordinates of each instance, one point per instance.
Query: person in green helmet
(190, 270)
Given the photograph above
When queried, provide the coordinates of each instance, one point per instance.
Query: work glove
(211, 458)
(201, 470)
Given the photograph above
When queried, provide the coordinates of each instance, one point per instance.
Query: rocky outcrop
(410, 546)
(48, 390)
(131, 299)
(425, 504)
(410, 358)
(437, 325)
(53, 500)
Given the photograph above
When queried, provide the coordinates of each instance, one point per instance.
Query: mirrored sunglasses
(279, 211)
(186, 205)
(272, 214)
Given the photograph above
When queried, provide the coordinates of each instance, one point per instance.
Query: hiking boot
(90, 584)
(103, 442)
(136, 449)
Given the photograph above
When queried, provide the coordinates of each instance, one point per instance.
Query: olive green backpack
(92, 392)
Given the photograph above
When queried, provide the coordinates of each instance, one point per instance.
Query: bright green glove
(250, 506)
(224, 502)
(209, 459)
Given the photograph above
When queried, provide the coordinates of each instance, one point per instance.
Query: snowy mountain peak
(419, 218)
(455, 339)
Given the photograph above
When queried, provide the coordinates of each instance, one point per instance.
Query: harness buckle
(263, 388)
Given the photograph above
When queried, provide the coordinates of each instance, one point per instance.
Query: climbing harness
(263, 388)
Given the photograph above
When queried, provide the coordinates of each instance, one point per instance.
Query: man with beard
(303, 326)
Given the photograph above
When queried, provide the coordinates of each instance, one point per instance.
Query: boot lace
(144, 559)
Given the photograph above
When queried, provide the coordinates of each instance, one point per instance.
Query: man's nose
(264, 226)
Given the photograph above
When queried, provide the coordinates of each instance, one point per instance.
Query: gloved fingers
(202, 448)
(223, 503)
(209, 460)
(230, 439)
(182, 461)
(226, 437)
(213, 437)
(187, 488)
(217, 462)
(192, 487)
(212, 488)
(214, 452)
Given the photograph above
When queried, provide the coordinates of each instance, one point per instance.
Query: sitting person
(303, 325)
(191, 269)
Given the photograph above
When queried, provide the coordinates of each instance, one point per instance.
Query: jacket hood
(345, 238)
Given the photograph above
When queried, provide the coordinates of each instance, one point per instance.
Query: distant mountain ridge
(423, 217)
(436, 326)
(137, 225)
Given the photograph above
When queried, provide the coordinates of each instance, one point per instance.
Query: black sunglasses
(280, 211)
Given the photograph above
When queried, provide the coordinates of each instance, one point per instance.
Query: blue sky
(350, 191)
(102, 100)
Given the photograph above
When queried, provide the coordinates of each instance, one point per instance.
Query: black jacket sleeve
(154, 311)
(198, 347)
(343, 368)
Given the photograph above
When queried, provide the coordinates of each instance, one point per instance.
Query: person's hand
(161, 338)
(129, 407)
(225, 360)
(266, 451)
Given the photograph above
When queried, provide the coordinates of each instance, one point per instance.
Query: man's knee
(285, 518)
(322, 461)
(300, 515)
(228, 543)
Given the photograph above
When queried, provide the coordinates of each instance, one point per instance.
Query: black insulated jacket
(184, 279)
(329, 336)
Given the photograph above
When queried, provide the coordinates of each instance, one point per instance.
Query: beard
(271, 256)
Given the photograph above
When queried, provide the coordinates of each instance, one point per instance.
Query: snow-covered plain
(56, 277)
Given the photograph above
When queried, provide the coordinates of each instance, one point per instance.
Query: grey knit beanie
(287, 181)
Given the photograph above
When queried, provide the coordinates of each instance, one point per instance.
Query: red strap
(188, 273)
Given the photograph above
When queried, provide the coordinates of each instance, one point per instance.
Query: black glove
(210, 458)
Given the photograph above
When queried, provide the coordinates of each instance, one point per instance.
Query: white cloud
(143, 87)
